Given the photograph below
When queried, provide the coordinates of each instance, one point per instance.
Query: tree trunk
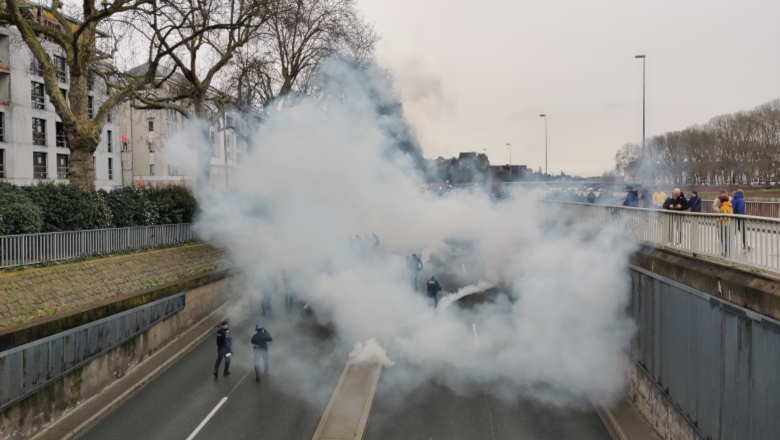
(81, 170)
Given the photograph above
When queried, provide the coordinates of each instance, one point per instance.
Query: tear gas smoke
(465, 291)
(326, 171)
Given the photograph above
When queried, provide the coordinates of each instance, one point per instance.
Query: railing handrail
(94, 230)
(667, 211)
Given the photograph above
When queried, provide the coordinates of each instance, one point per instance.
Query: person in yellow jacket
(723, 222)
(659, 197)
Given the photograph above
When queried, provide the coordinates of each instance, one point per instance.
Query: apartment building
(148, 136)
(33, 147)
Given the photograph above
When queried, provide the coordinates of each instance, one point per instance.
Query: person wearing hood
(738, 205)
(647, 198)
(433, 290)
(694, 204)
(723, 222)
(260, 342)
(632, 197)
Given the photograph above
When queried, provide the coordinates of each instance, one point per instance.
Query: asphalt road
(304, 370)
(435, 412)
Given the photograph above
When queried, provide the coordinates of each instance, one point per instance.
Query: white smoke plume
(326, 171)
(370, 353)
(463, 292)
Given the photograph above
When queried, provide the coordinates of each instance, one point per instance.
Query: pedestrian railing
(760, 209)
(747, 241)
(27, 249)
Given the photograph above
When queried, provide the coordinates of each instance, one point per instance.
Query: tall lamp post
(545, 147)
(510, 161)
(642, 160)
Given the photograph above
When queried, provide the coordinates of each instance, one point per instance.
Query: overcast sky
(476, 74)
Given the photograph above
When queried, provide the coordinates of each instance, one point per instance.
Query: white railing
(27, 249)
(746, 241)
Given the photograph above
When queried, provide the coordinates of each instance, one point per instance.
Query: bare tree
(200, 38)
(43, 28)
(627, 160)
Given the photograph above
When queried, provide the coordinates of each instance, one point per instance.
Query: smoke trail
(466, 291)
(325, 172)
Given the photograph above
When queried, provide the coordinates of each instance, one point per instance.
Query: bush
(18, 214)
(175, 203)
(68, 207)
(130, 206)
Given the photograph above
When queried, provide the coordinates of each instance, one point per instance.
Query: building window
(110, 168)
(39, 165)
(171, 130)
(94, 167)
(90, 80)
(173, 170)
(2, 127)
(211, 137)
(109, 116)
(109, 141)
(2, 164)
(151, 125)
(90, 105)
(64, 94)
(36, 68)
(60, 69)
(171, 114)
(151, 170)
(62, 166)
(39, 131)
(37, 95)
(60, 137)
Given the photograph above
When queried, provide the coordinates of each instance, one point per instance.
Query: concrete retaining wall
(37, 411)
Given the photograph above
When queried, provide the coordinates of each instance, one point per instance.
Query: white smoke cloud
(322, 173)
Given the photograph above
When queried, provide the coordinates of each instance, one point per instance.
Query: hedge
(49, 207)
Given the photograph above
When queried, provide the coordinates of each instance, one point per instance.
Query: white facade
(26, 160)
(149, 134)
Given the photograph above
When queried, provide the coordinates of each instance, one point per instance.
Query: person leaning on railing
(694, 204)
(723, 222)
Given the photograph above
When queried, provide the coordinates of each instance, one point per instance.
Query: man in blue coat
(738, 205)
(632, 197)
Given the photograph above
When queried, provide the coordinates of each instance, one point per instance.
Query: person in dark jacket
(433, 289)
(260, 346)
(415, 266)
(224, 343)
(591, 197)
(647, 198)
(738, 205)
(676, 202)
(694, 204)
(632, 198)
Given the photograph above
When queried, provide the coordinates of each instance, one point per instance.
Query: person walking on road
(659, 197)
(694, 204)
(260, 342)
(224, 350)
(632, 198)
(738, 205)
(415, 266)
(433, 290)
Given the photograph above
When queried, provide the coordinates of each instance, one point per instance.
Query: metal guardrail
(28, 368)
(27, 249)
(747, 241)
(759, 209)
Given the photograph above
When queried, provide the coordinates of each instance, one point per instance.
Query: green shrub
(68, 207)
(175, 203)
(130, 206)
(18, 214)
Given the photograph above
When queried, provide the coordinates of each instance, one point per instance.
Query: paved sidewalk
(624, 421)
(93, 409)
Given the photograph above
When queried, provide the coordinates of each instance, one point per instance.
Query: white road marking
(476, 339)
(307, 305)
(208, 417)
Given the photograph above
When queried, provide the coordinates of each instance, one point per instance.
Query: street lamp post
(642, 160)
(510, 161)
(545, 146)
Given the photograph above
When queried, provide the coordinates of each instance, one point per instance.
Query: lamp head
(639, 56)
(542, 116)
